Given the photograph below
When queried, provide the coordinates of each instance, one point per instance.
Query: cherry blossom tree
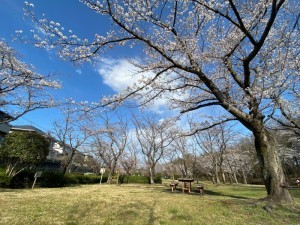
(109, 141)
(21, 88)
(235, 55)
(154, 137)
(129, 159)
(71, 133)
(185, 155)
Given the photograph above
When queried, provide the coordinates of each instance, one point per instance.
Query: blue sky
(82, 83)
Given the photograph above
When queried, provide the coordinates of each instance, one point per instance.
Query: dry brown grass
(142, 204)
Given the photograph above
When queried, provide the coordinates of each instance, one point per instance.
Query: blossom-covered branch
(21, 88)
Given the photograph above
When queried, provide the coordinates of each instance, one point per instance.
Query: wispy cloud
(120, 74)
(78, 71)
(117, 73)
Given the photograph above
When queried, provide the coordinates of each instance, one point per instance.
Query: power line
(33, 123)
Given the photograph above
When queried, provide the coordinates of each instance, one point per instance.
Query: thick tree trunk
(271, 167)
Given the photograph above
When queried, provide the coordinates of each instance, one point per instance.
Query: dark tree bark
(271, 167)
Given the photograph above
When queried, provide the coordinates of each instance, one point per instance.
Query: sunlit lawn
(142, 204)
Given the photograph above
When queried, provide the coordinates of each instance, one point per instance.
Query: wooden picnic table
(186, 184)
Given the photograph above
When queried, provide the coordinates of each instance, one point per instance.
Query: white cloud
(78, 71)
(120, 74)
(117, 73)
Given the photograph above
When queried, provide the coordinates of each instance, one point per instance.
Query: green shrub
(2, 170)
(4, 180)
(158, 179)
(257, 181)
(134, 179)
(71, 179)
(87, 179)
(93, 179)
(48, 179)
(51, 179)
(24, 179)
(104, 179)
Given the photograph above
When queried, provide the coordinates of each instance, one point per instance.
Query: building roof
(27, 128)
(4, 116)
(4, 128)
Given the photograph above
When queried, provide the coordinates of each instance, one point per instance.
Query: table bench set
(186, 185)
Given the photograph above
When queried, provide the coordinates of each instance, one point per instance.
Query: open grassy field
(142, 204)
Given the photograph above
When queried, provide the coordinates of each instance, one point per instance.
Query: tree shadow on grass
(11, 190)
(213, 193)
(206, 192)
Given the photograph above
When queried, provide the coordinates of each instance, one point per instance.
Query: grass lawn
(142, 204)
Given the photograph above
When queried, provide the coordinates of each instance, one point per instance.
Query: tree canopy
(23, 148)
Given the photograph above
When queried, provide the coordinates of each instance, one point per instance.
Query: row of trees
(150, 144)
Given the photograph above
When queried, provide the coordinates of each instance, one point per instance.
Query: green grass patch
(138, 204)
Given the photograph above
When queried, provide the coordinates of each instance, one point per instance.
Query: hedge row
(25, 179)
(134, 179)
(139, 179)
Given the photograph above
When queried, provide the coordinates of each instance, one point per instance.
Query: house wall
(4, 129)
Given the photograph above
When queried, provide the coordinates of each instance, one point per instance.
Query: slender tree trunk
(230, 177)
(9, 169)
(109, 178)
(151, 171)
(271, 167)
(244, 177)
(216, 175)
(223, 177)
(118, 175)
(213, 179)
(69, 162)
(12, 169)
(235, 178)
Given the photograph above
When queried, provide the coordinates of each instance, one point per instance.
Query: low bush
(158, 179)
(257, 181)
(104, 179)
(24, 179)
(51, 179)
(74, 178)
(71, 179)
(4, 180)
(134, 179)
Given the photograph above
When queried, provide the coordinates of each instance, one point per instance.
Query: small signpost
(102, 171)
(36, 175)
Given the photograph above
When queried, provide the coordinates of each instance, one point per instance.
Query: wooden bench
(201, 188)
(173, 186)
